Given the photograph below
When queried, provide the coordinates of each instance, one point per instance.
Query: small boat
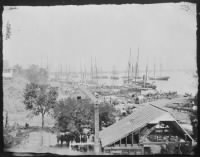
(138, 77)
(74, 76)
(195, 76)
(146, 85)
(132, 79)
(91, 82)
(103, 77)
(114, 77)
(160, 78)
(152, 86)
(124, 77)
(99, 77)
(163, 78)
(127, 80)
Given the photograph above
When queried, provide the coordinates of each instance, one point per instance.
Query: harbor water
(180, 81)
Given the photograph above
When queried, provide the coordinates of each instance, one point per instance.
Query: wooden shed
(145, 131)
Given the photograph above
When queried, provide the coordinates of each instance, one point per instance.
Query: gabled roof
(138, 119)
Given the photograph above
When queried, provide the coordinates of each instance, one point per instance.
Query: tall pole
(97, 142)
(91, 69)
(6, 123)
(61, 72)
(47, 69)
(136, 71)
(129, 66)
(146, 76)
(154, 70)
(47, 64)
(136, 67)
(132, 69)
(160, 70)
(66, 72)
(96, 70)
(85, 73)
(40, 62)
(81, 72)
(138, 63)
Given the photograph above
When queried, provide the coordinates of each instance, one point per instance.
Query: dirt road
(42, 142)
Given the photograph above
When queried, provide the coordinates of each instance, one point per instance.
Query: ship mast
(154, 71)
(136, 66)
(160, 70)
(145, 81)
(132, 70)
(129, 66)
(96, 70)
(91, 69)
(85, 73)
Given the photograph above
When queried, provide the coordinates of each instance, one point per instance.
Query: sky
(72, 36)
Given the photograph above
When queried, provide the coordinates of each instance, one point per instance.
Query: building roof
(132, 123)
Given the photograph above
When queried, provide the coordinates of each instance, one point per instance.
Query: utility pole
(94, 99)
(97, 142)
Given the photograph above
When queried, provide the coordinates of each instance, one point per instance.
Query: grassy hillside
(13, 94)
(13, 98)
(13, 91)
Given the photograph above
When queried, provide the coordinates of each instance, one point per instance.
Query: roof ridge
(138, 122)
(159, 108)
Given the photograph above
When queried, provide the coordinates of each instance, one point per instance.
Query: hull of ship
(160, 78)
(114, 78)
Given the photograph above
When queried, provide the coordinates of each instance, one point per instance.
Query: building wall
(8, 73)
(148, 140)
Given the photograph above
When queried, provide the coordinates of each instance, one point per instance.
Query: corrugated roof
(139, 118)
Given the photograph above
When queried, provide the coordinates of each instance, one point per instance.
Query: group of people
(69, 137)
(175, 148)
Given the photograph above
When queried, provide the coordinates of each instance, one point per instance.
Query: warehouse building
(148, 130)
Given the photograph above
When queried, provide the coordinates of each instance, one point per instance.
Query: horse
(65, 137)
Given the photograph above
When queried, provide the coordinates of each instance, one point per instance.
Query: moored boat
(114, 77)
(160, 78)
(163, 78)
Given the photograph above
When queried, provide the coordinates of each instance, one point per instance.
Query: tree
(37, 75)
(71, 114)
(8, 30)
(63, 113)
(40, 99)
(18, 69)
(106, 114)
(5, 64)
(194, 118)
(6, 123)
